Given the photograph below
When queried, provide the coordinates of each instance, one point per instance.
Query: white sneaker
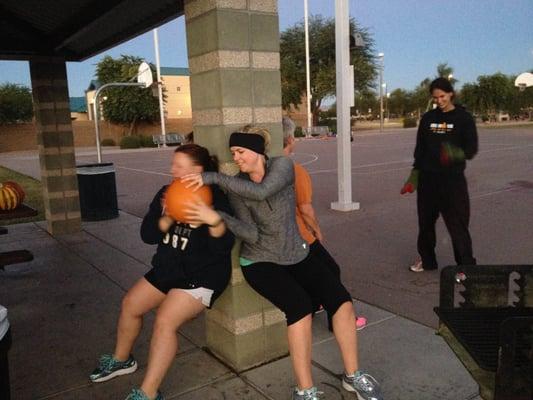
(417, 267)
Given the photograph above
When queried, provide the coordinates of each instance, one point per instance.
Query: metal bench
(316, 131)
(169, 138)
(491, 329)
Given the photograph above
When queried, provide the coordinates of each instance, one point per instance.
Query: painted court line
(143, 171)
(491, 193)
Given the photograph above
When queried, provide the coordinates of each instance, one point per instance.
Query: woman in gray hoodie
(276, 261)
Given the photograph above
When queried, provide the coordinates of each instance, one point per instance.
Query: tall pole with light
(387, 105)
(345, 99)
(381, 57)
(159, 86)
(307, 69)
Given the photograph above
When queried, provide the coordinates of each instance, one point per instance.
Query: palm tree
(446, 71)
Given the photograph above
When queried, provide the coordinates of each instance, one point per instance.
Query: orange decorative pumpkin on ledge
(11, 195)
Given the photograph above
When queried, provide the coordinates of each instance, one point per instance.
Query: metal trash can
(98, 191)
(5, 345)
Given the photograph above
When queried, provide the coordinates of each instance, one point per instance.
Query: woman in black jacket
(191, 268)
(446, 138)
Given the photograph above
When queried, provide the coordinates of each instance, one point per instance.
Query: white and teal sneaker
(307, 394)
(108, 368)
(364, 385)
(138, 394)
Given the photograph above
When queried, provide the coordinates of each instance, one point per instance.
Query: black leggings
(297, 289)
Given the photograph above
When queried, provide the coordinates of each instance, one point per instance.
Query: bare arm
(308, 215)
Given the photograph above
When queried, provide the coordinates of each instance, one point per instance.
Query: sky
(475, 37)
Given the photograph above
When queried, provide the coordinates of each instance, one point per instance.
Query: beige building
(176, 84)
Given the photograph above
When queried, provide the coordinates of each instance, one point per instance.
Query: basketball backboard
(145, 74)
(524, 80)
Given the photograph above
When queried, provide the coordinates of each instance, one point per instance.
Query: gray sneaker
(138, 394)
(108, 368)
(364, 385)
(308, 394)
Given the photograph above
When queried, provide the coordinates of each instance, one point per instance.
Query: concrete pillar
(56, 145)
(233, 48)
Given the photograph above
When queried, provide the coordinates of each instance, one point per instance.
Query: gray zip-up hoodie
(264, 213)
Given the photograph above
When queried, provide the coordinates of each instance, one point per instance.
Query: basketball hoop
(523, 81)
(144, 75)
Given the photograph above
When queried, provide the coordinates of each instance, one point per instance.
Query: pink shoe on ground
(360, 323)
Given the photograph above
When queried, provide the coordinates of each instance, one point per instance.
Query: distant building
(78, 108)
(177, 89)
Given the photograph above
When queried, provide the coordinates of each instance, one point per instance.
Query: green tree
(399, 102)
(15, 103)
(322, 62)
(495, 92)
(470, 97)
(367, 102)
(126, 105)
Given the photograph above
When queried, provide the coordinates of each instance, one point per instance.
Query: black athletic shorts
(295, 289)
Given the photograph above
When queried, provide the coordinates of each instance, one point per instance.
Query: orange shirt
(304, 195)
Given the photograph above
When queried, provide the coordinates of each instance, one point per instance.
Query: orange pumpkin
(177, 197)
(18, 189)
(9, 198)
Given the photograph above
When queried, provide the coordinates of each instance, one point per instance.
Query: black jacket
(192, 256)
(456, 127)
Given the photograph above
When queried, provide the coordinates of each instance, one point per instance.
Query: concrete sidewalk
(63, 308)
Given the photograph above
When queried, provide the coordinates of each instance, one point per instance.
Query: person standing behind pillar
(446, 138)
(276, 261)
(305, 213)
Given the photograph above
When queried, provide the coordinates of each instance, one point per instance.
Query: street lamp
(159, 86)
(387, 108)
(381, 57)
(307, 70)
(384, 91)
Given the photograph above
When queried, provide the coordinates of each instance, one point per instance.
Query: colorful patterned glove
(450, 154)
(411, 183)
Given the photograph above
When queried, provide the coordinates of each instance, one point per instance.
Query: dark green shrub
(130, 142)
(108, 142)
(331, 123)
(298, 132)
(485, 118)
(409, 122)
(147, 141)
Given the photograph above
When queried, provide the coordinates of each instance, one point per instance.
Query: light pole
(159, 87)
(387, 107)
(381, 57)
(307, 70)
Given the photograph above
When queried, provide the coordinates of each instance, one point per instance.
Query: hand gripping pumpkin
(177, 197)
(11, 195)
